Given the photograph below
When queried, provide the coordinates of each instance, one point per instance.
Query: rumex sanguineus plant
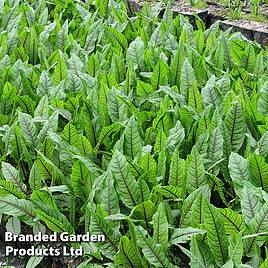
(142, 129)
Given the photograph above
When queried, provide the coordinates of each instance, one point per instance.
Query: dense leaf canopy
(146, 130)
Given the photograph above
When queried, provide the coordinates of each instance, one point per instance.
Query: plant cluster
(144, 130)
(236, 6)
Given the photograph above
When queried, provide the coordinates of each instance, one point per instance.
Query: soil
(184, 6)
(252, 25)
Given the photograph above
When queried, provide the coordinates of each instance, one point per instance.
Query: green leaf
(53, 218)
(262, 105)
(236, 126)
(144, 89)
(259, 171)
(211, 95)
(117, 38)
(70, 134)
(203, 256)
(238, 167)
(148, 165)
(215, 145)
(98, 225)
(195, 98)
(132, 140)
(216, 235)
(233, 222)
(170, 191)
(126, 185)
(107, 131)
(60, 71)
(160, 226)
(175, 67)
(128, 256)
(176, 136)
(135, 53)
(183, 235)
(196, 176)
(45, 86)
(177, 176)
(248, 58)
(144, 212)
(195, 260)
(9, 187)
(10, 173)
(187, 77)
(34, 261)
(109, 196)
(42, 108)
(189, 205)
(258, 224)
(29, 130)
(249, 203)
(159, 76)
(13, 206)
(153, 252)
(263, 144)
(119, 68)
(13, 225)
(235, 248)
(35, 179)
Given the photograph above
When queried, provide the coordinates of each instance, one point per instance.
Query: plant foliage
(146, 130)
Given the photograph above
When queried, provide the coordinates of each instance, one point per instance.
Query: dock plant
(149, 131)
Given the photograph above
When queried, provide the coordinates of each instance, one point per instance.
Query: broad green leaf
(249, 203)
(125, 183)
(189, 204)
(177, 170)
(13, 206)
(235, 248)
(128, 256)
(183, 235)
(202, 253)
(13, 225)
(187, 77)
(10, 173)
(132, 139)
(196, 177)
(233, 221)
(258, 224)
(263, 99)
(160, 227)
(238, 167)
(98, 225)
(135, 53)
(70, 134)
(159, 76)
(236, 126)
(52, 217)
(153, 252)
(109, 196)
(259, 171)
(34, 261)
(42, 107)
(216, 235)
(29, 129)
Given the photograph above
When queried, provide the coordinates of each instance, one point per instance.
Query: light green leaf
(125, 183)
(183, 235)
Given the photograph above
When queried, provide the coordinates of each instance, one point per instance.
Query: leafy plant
(142, 129)
(255, 5)
(235, 7)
